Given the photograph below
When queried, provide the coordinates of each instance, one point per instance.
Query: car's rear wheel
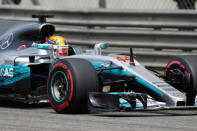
(181, 72)
(68, 85)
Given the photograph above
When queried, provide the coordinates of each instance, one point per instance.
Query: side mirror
(104, 45)
(99, 46)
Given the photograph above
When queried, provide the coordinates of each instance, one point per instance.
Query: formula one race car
(34, 69)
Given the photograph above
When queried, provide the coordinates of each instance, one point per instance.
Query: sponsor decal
(123, 59)
(9, 72)
(7, 41)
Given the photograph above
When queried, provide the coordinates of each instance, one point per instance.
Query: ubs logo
(7, 41)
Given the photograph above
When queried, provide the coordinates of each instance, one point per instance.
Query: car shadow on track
(160, 113)
(14, 104)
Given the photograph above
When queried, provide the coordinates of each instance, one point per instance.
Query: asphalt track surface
(40, 117)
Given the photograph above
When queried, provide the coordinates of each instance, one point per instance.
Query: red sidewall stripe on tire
(65, 104)
(174, 62)
(71, 91)
(178, 63)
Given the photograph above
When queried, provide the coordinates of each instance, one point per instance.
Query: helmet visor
(62, 50)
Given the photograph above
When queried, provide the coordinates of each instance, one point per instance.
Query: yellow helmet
(59, 44)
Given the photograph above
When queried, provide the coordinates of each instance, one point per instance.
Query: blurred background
(112, 4)
(157, 30)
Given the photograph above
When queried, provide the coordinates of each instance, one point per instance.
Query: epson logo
(9, 72)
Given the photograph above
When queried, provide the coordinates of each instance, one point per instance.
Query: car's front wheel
(68, 85)
(181, 72)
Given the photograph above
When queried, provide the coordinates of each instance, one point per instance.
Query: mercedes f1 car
(32, 70)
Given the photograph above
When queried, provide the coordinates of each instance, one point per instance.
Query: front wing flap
(116, 101)
(121, 101)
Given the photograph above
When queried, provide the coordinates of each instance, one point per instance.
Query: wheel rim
(59, 86)
(176, 71)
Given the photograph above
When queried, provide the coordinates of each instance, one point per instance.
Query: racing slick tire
(185, 65)
(68, 85)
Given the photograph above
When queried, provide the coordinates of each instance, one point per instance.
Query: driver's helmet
(60, 45)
